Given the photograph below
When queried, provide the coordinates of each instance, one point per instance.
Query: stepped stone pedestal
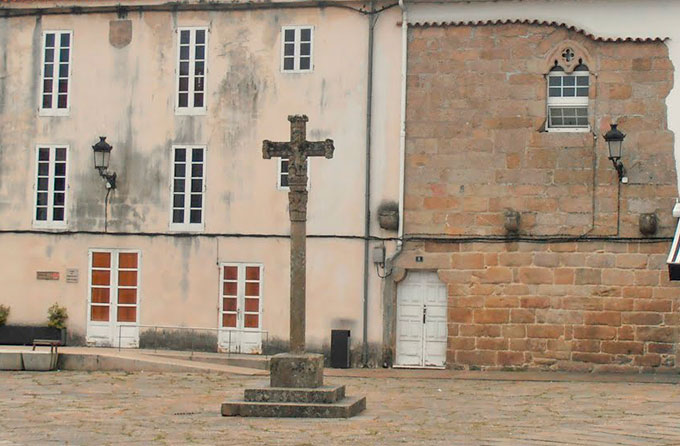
(296, 390)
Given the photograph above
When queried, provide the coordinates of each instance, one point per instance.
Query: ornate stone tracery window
(568, 87)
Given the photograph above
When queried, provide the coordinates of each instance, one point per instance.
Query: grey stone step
(323, 394)
(11, 360)
(346, 408)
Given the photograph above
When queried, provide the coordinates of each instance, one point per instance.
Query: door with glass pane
(113, 298)
(240, 328)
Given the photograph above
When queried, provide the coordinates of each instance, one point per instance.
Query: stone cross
(297, 150)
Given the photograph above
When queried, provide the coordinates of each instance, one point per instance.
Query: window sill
(187, 227)
(190, 111)
(54, 113)
(296, 71)
(56, 226)
(568, 130)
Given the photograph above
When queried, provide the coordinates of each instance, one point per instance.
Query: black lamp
(102, 154)
(614, 138)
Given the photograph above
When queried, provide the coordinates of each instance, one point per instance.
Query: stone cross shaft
(297, 150)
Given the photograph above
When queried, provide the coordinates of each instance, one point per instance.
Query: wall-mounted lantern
(614, 138)
(102, 154)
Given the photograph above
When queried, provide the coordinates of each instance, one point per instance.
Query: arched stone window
(568, 84)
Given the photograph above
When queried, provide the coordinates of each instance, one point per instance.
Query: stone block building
(543, 257)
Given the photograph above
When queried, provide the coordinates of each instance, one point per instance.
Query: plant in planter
(25, 334)
(56, 318)
(4, 314)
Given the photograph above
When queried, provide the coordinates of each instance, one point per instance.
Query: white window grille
(188, 188)
(568, 99)
(50, 186)
(282, 183)
(56, 73)
(297, 49)
(192, 57)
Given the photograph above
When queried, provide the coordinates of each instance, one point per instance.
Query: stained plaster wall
(127, 94)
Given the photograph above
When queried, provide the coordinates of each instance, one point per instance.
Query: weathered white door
(240, 308)
(113, 298)
(421, 321)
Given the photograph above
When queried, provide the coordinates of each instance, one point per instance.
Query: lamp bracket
(620, 169)
(109, 177)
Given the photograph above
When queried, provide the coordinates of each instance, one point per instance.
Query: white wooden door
(113, 298)
(421, 321)
(240, 328)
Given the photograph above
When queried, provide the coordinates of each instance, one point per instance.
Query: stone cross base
(296, 390)
(296, 370)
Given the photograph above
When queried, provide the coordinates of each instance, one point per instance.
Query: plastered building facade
(195, 234)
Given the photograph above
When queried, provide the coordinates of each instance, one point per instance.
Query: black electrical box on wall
(340, 358)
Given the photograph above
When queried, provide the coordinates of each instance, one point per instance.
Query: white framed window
(51, 186)
(568, 99)
(282, 175)
(114, 285)
(297, 49)
(192, 70)
(56, 73)
(187, 188)
(241, 295)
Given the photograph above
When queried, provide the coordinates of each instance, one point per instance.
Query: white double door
(421, 321)
(240, 324)
(113, 298)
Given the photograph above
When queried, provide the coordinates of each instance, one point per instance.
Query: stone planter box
(11, 360)
(25, 334)
(39, 361)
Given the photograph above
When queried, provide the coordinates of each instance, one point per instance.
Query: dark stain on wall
(36, 63)
(4, 26)
(241, 89)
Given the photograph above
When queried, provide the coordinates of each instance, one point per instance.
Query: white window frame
(54, 110)
(279, 172)
(50, 223)
(296, 53)
(190, 109)
(566, 102)
(113, 269)
(186, 226)
(241, 295)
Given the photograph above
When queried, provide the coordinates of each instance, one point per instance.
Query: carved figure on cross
(297, 150)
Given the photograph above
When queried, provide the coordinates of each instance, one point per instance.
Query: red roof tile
(536, 22)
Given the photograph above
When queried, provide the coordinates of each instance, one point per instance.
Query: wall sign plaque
(47, 275)
(72, 275)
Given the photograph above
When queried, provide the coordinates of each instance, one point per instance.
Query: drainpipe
(367, 199)
(402, 130)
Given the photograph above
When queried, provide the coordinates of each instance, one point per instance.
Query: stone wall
(477, 148)
(603, 306)
(476, 145)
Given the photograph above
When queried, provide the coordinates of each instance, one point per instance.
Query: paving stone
(119, 408)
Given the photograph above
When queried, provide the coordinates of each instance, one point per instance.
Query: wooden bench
(52, 343)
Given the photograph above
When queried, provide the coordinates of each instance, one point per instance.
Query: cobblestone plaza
(116, 408)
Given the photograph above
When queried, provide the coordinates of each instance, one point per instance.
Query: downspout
(367, 198)
(402, 130)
